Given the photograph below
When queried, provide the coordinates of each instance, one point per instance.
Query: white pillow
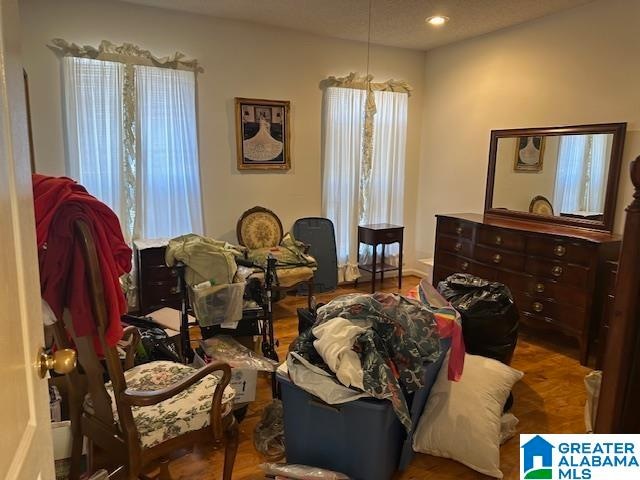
(461, 420)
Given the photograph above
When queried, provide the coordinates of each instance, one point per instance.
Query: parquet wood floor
(549, 399)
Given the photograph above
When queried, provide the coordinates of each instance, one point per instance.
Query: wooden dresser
(157, 283)
(556, 273)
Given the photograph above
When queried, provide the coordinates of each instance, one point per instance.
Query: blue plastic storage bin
(363, 439)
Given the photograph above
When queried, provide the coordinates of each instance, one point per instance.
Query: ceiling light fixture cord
(369, 39)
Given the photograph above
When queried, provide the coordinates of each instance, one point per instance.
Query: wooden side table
(380, 234)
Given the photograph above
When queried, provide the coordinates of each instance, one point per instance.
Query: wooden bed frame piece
(620, 393)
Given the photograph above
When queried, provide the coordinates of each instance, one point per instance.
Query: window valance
(127, 53)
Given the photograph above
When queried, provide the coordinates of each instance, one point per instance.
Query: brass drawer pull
(174, 272)
(539, 287)
(459, 230)
(559, 250)
(174, 290)
(498, 240)
(464, 266)
(556, 271)
(537, 307)
(458, 247)
(497, 258)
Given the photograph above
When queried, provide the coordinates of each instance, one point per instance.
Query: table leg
(373, 269)
(358, 263)
(400, 267)
(382, 268)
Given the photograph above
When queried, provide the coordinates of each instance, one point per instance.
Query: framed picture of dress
(262, 134)
(529, 154)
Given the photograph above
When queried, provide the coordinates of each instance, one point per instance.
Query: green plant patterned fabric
(185, 412)
(401, 338)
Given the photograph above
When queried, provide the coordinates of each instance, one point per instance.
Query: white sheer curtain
(93, 124)
(581, 173)
(386, 196)
(569, 188)
(597, 176)
(168, 179)
(343, 114)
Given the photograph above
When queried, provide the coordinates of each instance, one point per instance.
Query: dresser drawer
(540, 287)
(159, 273)
(457, 228)
(158, 294)
(455, 264)
(455, 245)
(564, 273)
(152, 257)
(567, 317)
(501, 238)
(499, 258)
(570, 252)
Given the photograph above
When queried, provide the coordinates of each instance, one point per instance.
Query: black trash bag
(489, 315)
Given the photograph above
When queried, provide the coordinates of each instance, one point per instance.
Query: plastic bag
(226, 349)
(268, 437)
(301, 472)
(489, 315)
(592, 382)
(508, 427)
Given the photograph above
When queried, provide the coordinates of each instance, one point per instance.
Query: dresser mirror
(563, 175)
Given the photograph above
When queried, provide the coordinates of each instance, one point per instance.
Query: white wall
(240, 60)
(579, 66)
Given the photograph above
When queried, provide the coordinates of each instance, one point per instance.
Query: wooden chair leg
(165, 474)
(230, 448)
(310, 286)
(91, 461)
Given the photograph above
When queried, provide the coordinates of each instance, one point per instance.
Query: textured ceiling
(398, 23)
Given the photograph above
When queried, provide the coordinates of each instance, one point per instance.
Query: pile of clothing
(369, 345)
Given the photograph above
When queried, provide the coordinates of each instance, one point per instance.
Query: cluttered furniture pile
(371, 378)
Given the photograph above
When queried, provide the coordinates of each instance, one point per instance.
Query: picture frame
(529, 154)
(262, 134)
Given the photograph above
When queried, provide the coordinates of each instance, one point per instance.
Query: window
(136, 150)
(348, 198)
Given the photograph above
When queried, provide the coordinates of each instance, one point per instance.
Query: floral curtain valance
(366, 83)
(126, 53)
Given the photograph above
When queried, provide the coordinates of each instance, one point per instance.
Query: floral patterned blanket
(401, 339)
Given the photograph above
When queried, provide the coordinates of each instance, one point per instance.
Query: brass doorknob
(61, 361)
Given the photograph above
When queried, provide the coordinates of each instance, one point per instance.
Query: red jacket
(58, 202)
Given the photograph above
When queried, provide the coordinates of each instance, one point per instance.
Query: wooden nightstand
(380, 234)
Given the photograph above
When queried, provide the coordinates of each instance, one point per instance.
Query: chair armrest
(132, 336)
(141, 398)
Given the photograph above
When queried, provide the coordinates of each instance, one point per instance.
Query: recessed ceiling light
(437, 20)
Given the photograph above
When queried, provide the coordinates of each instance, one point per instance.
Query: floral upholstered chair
(144, 413)
(260, 231)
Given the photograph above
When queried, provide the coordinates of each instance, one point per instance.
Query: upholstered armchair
(143, 413)
(260, 231)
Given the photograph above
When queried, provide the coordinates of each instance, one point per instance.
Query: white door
(26, 450)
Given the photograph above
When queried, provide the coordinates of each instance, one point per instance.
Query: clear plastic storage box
(216, 304)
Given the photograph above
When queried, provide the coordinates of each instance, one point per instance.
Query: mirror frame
(617, 129)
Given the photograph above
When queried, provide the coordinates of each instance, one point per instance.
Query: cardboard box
(243, 381)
